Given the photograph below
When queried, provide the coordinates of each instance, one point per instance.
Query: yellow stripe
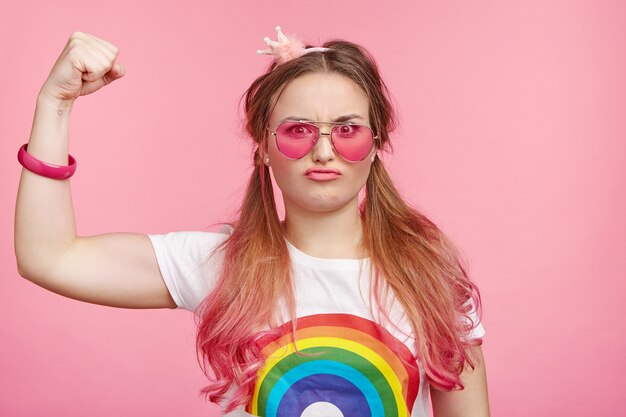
(346, 344)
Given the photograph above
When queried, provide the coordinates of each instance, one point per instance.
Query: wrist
(48, 99)
(53, 110)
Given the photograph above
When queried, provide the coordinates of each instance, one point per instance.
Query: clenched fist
(86, 64)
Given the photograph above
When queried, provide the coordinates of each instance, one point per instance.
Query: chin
(324, 205)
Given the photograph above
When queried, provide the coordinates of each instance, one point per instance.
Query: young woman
(353, 304)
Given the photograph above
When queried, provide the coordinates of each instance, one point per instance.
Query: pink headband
(287, 47)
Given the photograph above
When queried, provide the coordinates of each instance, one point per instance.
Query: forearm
(44, 216)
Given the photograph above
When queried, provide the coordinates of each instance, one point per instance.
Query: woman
(372, 292)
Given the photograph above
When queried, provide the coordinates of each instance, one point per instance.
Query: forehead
(321, 96)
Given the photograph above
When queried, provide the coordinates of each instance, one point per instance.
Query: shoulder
(188, 247)
(187, 264)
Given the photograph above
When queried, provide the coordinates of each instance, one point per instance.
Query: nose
(323, 150)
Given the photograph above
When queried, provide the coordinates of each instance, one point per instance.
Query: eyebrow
(338, 119)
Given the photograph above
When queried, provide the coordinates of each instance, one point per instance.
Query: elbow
(23, 270)
(29, 271)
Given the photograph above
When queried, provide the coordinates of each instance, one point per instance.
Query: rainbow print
(352, 368)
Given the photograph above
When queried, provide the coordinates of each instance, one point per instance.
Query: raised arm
(116, 269)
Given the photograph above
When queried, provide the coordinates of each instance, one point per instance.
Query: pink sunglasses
(296, 138)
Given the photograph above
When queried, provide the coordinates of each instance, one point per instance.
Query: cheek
(362, 176)
(272, 151)
(358, 178)
(283, 170)
(363, 169)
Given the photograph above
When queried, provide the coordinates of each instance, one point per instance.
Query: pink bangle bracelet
(58, 172)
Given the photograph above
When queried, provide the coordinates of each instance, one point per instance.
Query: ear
(374, 153)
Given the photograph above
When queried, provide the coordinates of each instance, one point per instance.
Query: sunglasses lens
(353, 142)
(295, 139)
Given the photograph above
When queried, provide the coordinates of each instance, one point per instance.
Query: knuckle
(75, 42)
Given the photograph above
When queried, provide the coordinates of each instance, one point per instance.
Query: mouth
(322, 174)
(322, 171)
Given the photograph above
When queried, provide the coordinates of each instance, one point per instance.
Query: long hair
(409, 253)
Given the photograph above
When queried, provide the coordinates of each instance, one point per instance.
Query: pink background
(512, 139)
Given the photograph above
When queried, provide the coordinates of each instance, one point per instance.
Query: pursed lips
(322, 174)
(323, 171)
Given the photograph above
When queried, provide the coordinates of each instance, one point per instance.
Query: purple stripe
(324, 387)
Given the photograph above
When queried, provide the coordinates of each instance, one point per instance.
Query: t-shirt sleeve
(478, 331)
(188, 271)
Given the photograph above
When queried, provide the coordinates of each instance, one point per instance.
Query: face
(319, 97)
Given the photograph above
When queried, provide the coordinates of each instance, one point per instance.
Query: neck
(332, 235)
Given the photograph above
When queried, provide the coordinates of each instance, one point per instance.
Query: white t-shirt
(360, 372)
